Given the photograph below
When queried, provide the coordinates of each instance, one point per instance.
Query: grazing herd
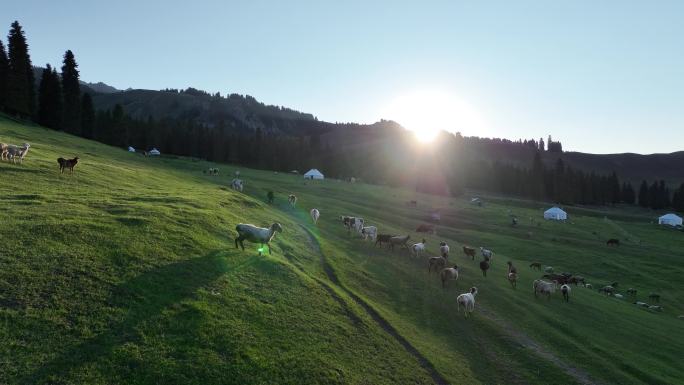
(545, 286)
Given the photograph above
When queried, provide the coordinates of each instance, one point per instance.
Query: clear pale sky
(601, 76)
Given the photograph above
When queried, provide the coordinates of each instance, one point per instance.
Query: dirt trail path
(577, 374)
(380, 321)
(523, 339)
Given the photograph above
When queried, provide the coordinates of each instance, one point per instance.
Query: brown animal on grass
(425, 228)
(469, 251)
(67, 163)
(383, 238)
(613, 242)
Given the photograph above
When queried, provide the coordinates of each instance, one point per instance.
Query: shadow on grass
(144, 297)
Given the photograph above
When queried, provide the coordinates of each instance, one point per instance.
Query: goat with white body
(315, 214)
(487, 254)
(467, 300)
(256, 234)
(15, 152)
(418, 248)
(543, 287)
(444, 250)
(369, 232)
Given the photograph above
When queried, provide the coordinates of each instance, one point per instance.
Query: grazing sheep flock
(549, 283)
(13, 152)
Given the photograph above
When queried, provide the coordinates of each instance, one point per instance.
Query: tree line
(387, 154)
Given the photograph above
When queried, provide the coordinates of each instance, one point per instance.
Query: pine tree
(87, 116)
(4, 72)
(643, 194)
(72, 94)
(20, 97)
(50, 99)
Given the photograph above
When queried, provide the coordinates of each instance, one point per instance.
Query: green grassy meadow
(126, 272)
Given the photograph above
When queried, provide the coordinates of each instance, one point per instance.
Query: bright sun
(428, 112)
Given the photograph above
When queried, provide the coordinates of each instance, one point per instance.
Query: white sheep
(655, 307)
(588, 286)
(292, 200)
(444, 250)
(467, 300)
(448, 274)
(418, 248)
(548, 269)
(315, 214)
(642, 304)
(13, 152)
(237, 184)
(618, 296)
(487, 254)
(565, 289)
(543, 287)
(256, 235)
(369, 231)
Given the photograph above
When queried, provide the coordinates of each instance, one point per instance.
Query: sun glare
(426, 113)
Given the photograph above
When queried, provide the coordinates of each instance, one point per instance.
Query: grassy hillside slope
(126, 272)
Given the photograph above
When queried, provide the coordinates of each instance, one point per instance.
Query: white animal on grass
(543, 287)
(315, 214)
(418, 248)
(237, 184)
(467, 300)
(487, 254)
(369, 232)
(256, 235)
(16, 152)
(444, 249)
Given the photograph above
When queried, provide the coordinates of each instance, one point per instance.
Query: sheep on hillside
(444, 250)
(315, 214)
(16, 152)
(437, 262)
(448, 274)
(469, 251)
(292, 200)
(484, 266)
(565, 289)
(467, 300)
(418, 248)
(369, 232)
(256, 235)
(487, 254)
(543, 287)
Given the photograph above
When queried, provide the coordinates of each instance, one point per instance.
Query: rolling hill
(126, 272)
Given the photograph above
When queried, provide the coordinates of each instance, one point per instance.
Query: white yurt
(555, 213)
(313, 174)
(131, 149)
(670, 219)
(154, 151)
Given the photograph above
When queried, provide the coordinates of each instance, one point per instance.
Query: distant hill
(101, 88)
(244, 114)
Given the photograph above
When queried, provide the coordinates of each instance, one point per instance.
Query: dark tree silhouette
(72, 94)
(4, 72)
(50, 99)
(20, 97)
(87, 116)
